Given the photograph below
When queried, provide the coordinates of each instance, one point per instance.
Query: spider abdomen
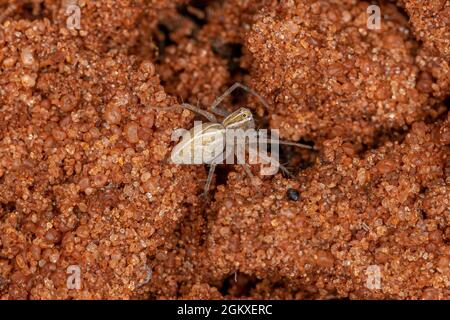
(200, 145)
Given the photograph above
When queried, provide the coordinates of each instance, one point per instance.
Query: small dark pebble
(293, 194)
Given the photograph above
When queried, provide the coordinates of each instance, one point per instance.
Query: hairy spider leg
(271, 160)
(217, 110)
(208, 115)
(253, 178)
(221, 112)
(212, 168)
(288, 143)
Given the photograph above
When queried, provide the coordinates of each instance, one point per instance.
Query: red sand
(84, 176)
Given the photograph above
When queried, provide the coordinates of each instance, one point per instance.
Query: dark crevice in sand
(221, 175)
(29, 10)
(163, 40)
(238, 285)
(380, 138)
(232, 53)
(195, 10)
(8, 207)
(398, 135)
(296, 159)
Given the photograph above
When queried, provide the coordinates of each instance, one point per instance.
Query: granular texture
(85, 178)
(126, 25)
(188, 64)
(326, 75)
(429, 21)
(388, 209)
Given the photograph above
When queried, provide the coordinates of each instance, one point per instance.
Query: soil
(85, 177)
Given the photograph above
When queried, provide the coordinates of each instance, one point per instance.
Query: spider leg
(208, 115)
(214, 162)
(220, 111)
(285, 170)
(231, 89)
(253, 179)
(288, 143)
(212, 168)
(275, 162)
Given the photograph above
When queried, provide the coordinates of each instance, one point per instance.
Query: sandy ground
(91, 208)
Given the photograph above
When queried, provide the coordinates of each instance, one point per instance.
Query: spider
(204, 138)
